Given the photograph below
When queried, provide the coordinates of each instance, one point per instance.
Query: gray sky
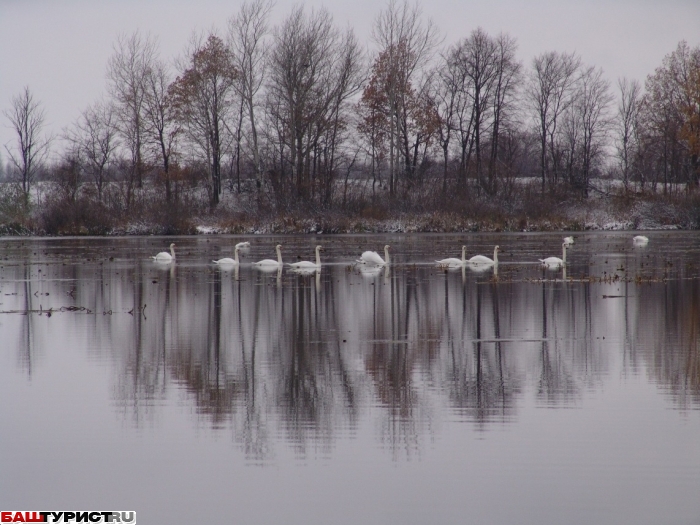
(59, 48)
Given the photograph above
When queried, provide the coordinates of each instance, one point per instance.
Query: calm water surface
(193, 394)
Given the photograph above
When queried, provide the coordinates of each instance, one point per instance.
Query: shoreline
(324, 225)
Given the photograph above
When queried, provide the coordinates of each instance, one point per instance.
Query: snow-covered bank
(526, 210)
(642, 216)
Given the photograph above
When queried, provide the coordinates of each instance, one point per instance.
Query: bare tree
(407, 44)
(314, 70)
(592, 102)
(161, 127)
(68, 175)
(127, 70)
(463, 111)
(94, 140)
(627, 119)
(445, 93)
(477, 57)
(27, 118)
(246, 37)
(480, 74)
(505, 91)
(548, 94)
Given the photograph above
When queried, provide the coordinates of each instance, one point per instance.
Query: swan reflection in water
(307, 272)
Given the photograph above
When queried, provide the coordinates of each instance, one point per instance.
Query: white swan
(227, 261)
(555, 262)
(482, 260)
(271, 263)
(165, 257)
(453, 262)
(569, 240)
(373, 258)
(640, 240)
(308, 265)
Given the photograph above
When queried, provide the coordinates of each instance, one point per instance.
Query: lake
(409, 394)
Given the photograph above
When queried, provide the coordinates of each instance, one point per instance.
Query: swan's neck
(235, 254)
(386, 255)
(464, 254)
(563, 253)
(318, 256)
(495, 256)
(172, 251)
(279, 256)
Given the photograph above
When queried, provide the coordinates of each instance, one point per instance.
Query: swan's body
(227, 261)
(165, 257)
(373, 258)
(305, 270)
(569, 240)
(271, 263)
(640, 239)
(555, 262)
(453, 262)
(482, 260)
(308, 265)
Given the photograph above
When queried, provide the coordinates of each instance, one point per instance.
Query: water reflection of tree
(141, 349)
(264, 354)
(26, 343)
(674, 355)
(392, 359)
(557, 383)
(315, 393)
(482, 386)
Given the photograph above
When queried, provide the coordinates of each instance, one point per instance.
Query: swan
(569, 240)
(555, 262)
(308, 265)
(640, 240)
(271, 263)
(482, 260)
(227, 261)
(453, 262)
(165, 257)
(374, 258)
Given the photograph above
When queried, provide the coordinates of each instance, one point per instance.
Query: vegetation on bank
(526, 209)
(296, 128)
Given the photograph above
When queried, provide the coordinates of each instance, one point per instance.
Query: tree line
(300, 114)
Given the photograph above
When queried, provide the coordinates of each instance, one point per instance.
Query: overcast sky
(59, 48)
